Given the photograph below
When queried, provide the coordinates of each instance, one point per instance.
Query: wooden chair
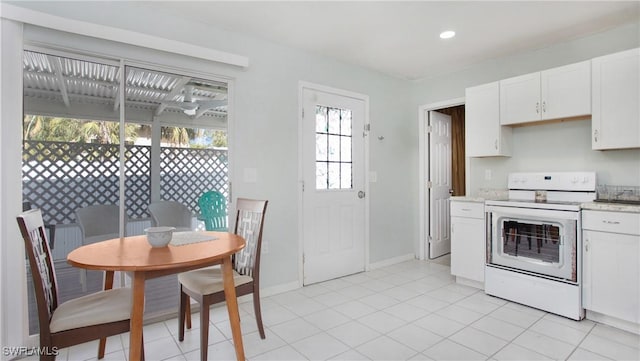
(171, 214)
(97, 223)
(95, 316)
(206, 285)
(213, 210)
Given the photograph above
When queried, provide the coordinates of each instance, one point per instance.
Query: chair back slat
(42, 268)
(249, 225)
(213, 208)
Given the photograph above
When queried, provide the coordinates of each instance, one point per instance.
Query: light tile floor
(410, 311)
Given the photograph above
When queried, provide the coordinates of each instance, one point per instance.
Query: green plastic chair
(213, 211)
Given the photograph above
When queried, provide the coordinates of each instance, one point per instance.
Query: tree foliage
(36, 127)
(58, 129)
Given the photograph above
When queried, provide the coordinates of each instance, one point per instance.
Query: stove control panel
(553, 181)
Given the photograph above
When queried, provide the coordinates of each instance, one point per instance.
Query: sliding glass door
(80, 149)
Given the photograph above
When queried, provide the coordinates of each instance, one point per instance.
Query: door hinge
(429, 184)
(429, 129)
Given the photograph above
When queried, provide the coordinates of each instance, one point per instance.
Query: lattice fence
(187, 173)
(60, 177)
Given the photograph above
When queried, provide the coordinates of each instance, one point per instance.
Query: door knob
(361, 194)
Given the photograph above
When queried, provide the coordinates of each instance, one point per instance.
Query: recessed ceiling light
(447, 34)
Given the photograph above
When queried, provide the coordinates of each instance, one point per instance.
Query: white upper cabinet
(562, 92)
(484, 135)
(616, 101)
(520, 99)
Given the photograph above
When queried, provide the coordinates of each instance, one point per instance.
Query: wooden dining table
(134, 254)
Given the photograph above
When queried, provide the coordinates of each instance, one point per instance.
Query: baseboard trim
(392, 261)
(274, 290)
(271, 291)
(614, 322)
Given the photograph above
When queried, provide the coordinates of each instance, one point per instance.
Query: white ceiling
(401, 38)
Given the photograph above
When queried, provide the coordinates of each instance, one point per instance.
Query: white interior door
(334, 184)
(440, 184)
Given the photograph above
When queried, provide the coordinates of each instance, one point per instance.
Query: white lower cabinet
(611, 272)
(468, 242)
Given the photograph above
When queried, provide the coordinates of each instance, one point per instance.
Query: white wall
(266, 123)
(551, 147)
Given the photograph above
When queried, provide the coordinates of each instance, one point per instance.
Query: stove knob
(585, 179)
(574, 180)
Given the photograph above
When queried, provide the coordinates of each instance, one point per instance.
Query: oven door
(537, 241)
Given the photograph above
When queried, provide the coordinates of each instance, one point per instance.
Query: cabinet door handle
(595, 135)
(586, 245)
(544, 106)
(537, 107)
(610, 222)
(495, 144)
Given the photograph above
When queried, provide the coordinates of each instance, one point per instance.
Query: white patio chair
(98, 223)
(171, 214)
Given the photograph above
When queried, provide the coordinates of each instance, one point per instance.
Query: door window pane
(70, 156)
(321, 120)
(346, 122)
(191, 115)
(345, 149)
(334, 120)
(334, 175)
(321, 175)
(333, 148)
(321, 147)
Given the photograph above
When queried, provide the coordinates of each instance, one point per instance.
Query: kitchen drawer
(614, 222)
(467, 209)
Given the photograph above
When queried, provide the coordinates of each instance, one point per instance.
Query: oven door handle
(528, 221)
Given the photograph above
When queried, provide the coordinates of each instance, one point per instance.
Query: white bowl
(159, 236)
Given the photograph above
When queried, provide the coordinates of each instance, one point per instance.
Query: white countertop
(484, 195)
(467, 199)
(614, 207)
(596, 206)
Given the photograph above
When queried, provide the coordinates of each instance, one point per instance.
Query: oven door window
(542, 242)
(537, 241)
